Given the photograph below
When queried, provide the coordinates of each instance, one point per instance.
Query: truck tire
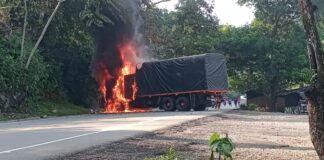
(183, 104)
(200, 108)
(168, 104)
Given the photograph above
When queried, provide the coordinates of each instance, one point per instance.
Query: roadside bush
(170, 154)
(20, 87)
(250, 107)
(289, 110)
(223, 146)
(243, 107)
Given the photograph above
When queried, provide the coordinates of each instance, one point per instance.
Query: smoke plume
(108, 61)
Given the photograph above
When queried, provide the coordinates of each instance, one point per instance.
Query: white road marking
(41, 144)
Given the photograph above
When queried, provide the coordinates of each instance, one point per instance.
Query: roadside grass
(12, 116)
(47, 108)
(50, 108)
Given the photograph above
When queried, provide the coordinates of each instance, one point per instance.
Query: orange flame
(135, 89)
(104, 77)
(118, 103)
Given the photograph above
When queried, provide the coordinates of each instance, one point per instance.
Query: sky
(228, 11)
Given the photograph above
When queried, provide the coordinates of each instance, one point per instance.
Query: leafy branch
(222, 146)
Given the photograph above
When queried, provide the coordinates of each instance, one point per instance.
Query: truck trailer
(178, 84)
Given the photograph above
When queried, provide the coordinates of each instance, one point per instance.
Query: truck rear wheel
(183, 104)
(168, 104)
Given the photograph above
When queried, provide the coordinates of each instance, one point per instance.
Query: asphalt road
(46, 138)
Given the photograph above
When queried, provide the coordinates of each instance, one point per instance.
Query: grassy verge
(12, 116)
(48, 108)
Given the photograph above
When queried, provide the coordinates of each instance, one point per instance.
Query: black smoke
(125, 26)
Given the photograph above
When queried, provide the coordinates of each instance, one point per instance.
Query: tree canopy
(274, 46)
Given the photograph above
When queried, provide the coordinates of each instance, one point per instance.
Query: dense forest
(268, 55)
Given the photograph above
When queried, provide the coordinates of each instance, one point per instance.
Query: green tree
(250, 64)
(277, 47)
(194, 28)
(67, 45)
(19, 87)
(157, 28)
(190, 29)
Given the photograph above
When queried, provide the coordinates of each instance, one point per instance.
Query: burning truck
(177, 84)
(127, 84)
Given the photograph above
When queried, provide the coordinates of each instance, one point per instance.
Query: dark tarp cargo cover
(206, 72)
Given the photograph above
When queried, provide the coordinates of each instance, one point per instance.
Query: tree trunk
(316, 119)
(273, 95)
(316, 94)
(24, 32)
(43, 33)
(272, 102)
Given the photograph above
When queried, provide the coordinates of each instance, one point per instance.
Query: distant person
(218, 101)
(235, 102)
(213, 101)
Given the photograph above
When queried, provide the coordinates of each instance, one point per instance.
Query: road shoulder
(257, 136)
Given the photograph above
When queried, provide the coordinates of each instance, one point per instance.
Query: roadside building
(289, 98)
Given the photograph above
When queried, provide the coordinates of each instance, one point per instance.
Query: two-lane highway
(45, 138)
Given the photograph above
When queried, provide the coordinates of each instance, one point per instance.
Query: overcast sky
(228, 11)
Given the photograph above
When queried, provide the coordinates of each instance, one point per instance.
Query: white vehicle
(243, 99)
